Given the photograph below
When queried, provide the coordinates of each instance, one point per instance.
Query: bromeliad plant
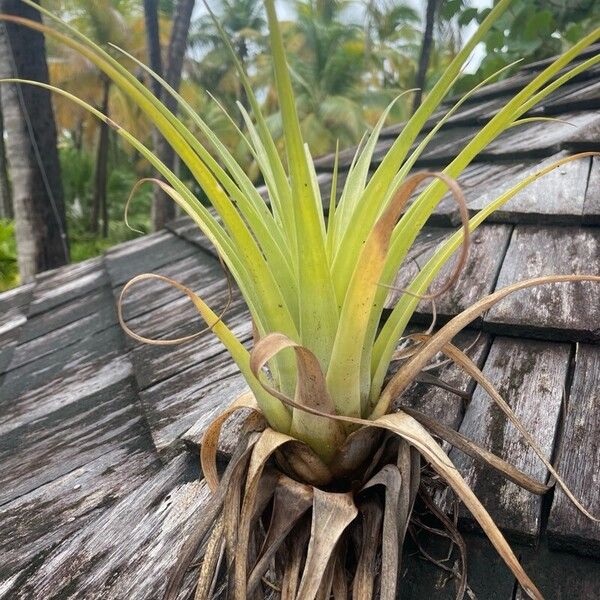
(324, 479)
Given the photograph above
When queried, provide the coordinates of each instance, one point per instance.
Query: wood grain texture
(145, 254)
(555, 311)
(191, 398)
(477, 279)
(579, 460)
(66, 436)
(127, 551)
(530, 376)
(557, 197)
(61, 285)
(37, 521)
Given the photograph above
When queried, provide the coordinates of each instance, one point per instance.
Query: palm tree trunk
(40, 224)
(425, 56)
(99, 201)
(163, 210)
(6, 208)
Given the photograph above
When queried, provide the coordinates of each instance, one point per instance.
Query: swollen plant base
(283, 524)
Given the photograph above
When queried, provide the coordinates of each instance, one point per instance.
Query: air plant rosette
(319, 492)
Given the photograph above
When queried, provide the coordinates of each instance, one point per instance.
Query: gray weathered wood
(145, 255)
(440, 404)
(200, 272)
(66, 436)
(64, 376)
(35, 522)
(557, 197)
(56, 287)
(530, 376)
(129, 550)
(478, 277)
(563, 310)
(591, 207)
(579, 460)
(191, 398)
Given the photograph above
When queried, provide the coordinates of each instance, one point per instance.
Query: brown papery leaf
(291, 501)
(482, 455)
(332, 513)
(364, 577)
(393, 529)
(210, 439)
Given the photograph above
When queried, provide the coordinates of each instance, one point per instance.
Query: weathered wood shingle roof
(99, 476)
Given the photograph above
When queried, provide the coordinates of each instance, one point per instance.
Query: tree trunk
(153, 43)
(40, 224)
(6, 208)
(99, 201)
(426, 48)
(163, 209)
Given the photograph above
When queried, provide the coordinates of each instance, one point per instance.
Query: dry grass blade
(290, 502)
(202, 523)
(266, 445)
(210, 561)
(481, 454)
(293, 562)
(332, 513)
(339, 586)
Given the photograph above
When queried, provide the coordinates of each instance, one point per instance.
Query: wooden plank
(442, 405)
(11, 326)
(489, 243)
(561, 576)
(530, 376)
(63, 377)
(145, 254)
(62, 285)
(34, 523)
(129, 550)
(557, 197)
(39, 346)
(199, 272)
(561, 311)
(591, 207)
(16, 297)
(66, 436)
(191, 397)
(578, 460)
(153, 364)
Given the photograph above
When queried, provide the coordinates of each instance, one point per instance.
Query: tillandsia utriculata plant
(322, 484)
